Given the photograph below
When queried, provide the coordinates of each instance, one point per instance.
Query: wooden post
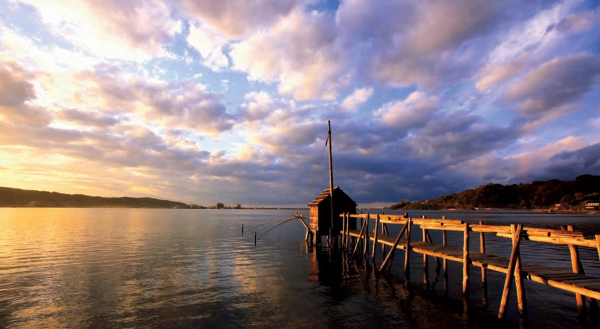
(407, 254)
(254, 238)
(516, 239)
(242, 229)
(425, 260)
(384, 231)
(483, 269)
(366, 250)
(362, 229)
(445, 261)
(347, 232)
(466, 261)
(598, 244)
(375, 239)
(390, 255)
(520, 287)
(576, 266)
(343, 236)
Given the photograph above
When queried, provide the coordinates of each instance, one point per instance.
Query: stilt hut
(320, 212)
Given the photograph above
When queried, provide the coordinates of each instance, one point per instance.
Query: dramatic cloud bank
(206, 101)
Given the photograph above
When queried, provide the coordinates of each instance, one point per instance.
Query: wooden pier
(574, 281)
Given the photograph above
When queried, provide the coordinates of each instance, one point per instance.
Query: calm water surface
(141, 268)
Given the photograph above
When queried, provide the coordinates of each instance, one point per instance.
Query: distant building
(592, 205)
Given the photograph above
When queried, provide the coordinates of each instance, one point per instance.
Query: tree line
(550, 194)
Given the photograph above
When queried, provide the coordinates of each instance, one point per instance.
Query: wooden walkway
(574, 281)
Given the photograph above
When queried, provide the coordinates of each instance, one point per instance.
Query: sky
(228, 101)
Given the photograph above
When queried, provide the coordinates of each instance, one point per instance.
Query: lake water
(142, 268)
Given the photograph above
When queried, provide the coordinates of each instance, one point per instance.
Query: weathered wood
(598, 244)
(521, 301)
(375, 239)
(343, 229)
(483, 268)
(362, 229)
(445, 261)
(383, 232)
(393, 249)
(425, 262)
(366, 250)
(466, 260)
(576, 281)
(582, 242)
(576, 266)
(406, 254)
(516, 238)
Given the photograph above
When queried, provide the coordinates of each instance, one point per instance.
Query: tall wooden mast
(330, 179)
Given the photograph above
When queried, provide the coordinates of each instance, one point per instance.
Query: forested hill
(571, 195)
(11, 197)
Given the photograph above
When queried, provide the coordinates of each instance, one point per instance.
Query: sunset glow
(206, 101)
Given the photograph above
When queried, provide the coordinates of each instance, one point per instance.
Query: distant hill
(12, 197)
(571, 195)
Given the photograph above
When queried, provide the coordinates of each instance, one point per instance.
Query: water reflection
(165, 268)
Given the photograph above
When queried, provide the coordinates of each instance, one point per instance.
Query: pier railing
(575, 281)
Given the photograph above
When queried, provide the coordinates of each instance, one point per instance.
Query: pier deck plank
(558, 278)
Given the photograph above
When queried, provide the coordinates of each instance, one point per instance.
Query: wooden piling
(516, 238)
(384, 231)
(483, 269)
(466, 260)
(343, 237)
(375, 239)
(576, 267)
(362, 229)
(390, 255)
(521, 301)
(255, 238)
(366, 250)
(407, 254)
(445, 261)
(242, 229)
(425, 261)
(575, 281)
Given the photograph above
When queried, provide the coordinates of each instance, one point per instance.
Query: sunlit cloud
(229, 100)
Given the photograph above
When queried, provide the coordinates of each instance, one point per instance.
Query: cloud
(357, 98)
(16, 94)
(456, 137)
(238, 18)
(132, 30)
(411, 113)
(561, 163)
(210, 46)
(299, 52)
(88, 118)
(174, 104)
(495, 73)
(554, 84)
(408, 44)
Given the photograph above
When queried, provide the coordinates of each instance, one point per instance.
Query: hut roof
(325, 194)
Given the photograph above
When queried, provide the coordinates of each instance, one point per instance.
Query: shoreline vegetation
(19, 198)
(581, 195)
